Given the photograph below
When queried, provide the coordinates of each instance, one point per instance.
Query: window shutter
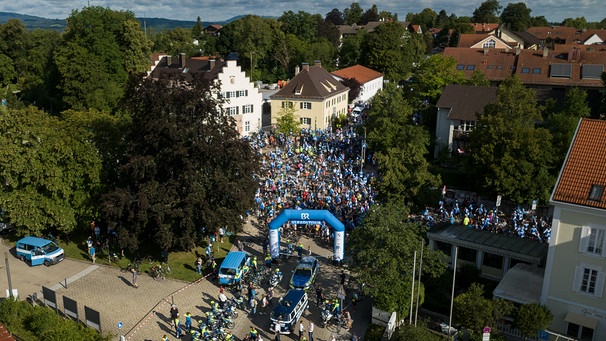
(599, 286)
(252, 107)
(578, 277)
(301, 105)
(584, 242)
(245, 92)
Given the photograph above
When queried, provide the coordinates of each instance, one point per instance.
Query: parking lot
(144, 311)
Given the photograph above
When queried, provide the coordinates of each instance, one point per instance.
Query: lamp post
(454, 274)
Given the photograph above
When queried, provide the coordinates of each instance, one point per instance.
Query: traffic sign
(498, 200)
(534, 205)
(486, 337)
(543, 335)
(486, 329)
(119, 325)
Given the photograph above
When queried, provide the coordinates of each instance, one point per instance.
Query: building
(243, 100)
(458, 107)
(575, 271)
(315, 95)
(371, 81)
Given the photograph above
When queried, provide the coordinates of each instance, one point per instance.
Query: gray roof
(313, 82)
(528, 37)
(465, 101)
(498, 244)
(522, 284)
(191, 67)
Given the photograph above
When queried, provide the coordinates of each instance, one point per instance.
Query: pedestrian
(165, 338)
(309, 254)
(264, 304)
(301, 329)
(310, 331)
(199, 265)
(221, 233)
(97, 231)
(253, 306)
(178, 329)
(319, 296)
(187, 322)
(277, 331)
(213, 266)
(348, 319)
(92, 253)
(135, 277)
(333, 338)
(240, 246)
(89, 244)
(343, 276)
(174, 313)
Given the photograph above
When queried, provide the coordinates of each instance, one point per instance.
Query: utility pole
(412, 293)
(454, 274)
(419, 288)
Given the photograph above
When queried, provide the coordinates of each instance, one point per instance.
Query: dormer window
(299, 90)
(595, 194)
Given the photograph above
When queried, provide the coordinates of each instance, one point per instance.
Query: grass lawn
(181, 263)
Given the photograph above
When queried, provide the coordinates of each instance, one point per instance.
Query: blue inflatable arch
(307, 217)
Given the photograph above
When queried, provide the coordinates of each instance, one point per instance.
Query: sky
(219, 10)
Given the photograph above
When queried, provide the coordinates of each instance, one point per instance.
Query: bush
(374, 333)
(40, 323)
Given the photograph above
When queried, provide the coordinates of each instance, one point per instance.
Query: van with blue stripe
(36, 251)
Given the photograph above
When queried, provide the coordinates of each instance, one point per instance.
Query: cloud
(218, 10)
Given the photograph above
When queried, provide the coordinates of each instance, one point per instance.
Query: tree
(431, 75)
(353, 14)
(382, 250)
(563, 123)
(372, 14)
(350, 52)
(516, 16)
(426, 18)
(335, 17)
(14, 43)
(509, 152)
(287, 121)
(301, 24)
(578, 22)
(487, 12)
(100, 48)
(475, 312)
(531, 318)
(539, 21)
(407, 332)
(400, 147)
(185, 171)
(198, 29)
(50, 169)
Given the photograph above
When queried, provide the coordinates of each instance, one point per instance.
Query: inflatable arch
(307, 217)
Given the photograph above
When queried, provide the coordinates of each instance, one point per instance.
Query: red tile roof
(470, 39)
(570, 35)
(585, 166)
(5, 335)
(360, 73)
(496, 65)
(484, 27)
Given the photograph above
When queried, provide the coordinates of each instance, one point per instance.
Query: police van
(288, 311)
(36, 251)
(233, 267)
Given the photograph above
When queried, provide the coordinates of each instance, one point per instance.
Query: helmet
(212, 302)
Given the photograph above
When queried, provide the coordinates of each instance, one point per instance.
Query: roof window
(525, 70)
(595, 194)
(536, 71)
(471, 67)
(460, 67)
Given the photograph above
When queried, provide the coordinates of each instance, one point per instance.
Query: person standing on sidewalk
(92, 253)
(135, 277)
(277, 331)
(301, 329)
(310, 331)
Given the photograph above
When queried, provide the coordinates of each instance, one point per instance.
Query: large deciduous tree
(185, 170)
(400, 147)
(517, 16)
(353, 14)
(100, 48)
(488, 12)
(531, 318)
(382, 251)
(509, 153)
(50, 171)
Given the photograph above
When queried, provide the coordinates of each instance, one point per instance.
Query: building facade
(370, 81)
(575, 271)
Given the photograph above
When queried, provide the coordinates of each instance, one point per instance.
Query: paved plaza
(144, 311)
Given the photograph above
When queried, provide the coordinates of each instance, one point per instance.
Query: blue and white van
(36, 251)
(288, 311)
(234, 267)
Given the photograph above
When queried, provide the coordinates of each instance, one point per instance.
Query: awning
(581, 320)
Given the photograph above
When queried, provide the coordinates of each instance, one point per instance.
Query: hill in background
(154, 24)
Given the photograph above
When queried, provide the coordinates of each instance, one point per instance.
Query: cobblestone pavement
(144, 311)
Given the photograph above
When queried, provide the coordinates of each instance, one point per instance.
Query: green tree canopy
(353, 14)
(488, 12)
(509, 153)
(100, 48)
(382, 250)
(473, 311)
(531, 318)
(198, 29)
(335, 17)
(517, 16)
(400, 147)
(287, 121)
(185, 167)
(50, 169)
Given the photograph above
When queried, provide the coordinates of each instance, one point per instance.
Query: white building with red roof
(371, 81)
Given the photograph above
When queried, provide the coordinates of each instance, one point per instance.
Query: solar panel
(592, 71)
(561, 70)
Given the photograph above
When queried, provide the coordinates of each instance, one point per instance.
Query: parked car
(5, 227)
(305, 273)
(36, 251)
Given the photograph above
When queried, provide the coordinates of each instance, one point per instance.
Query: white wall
(444, 128)
(370, 88)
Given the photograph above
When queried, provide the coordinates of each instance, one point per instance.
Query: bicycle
(157, 273)
(129, 267)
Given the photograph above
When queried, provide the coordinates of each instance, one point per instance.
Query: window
(306, 120)
(305, 105)
(588, 280)
(525, 70)
(490, 67)
(233, 110)
(287, 104)
(247, 126)
(247, 109)
(595, 193)
(489, 44)
(536, 71)
(592, 241)
(499, 67)
(460, 67)
(230, 94)
(242, 93)
(471, 67)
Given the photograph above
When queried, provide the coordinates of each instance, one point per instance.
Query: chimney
(305, 66)
(545, 52)
(169, 60)
(211, 64)
(297, 70)
(318, 62)
(486, 50)
(181, 60)
(518, 50)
